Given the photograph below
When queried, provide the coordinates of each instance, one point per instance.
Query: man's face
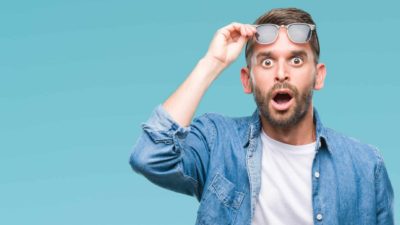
(282, 78)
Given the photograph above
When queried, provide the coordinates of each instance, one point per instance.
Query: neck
(298, 134)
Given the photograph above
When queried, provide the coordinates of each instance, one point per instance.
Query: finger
(242, 41)
(246, 31)
(251, 28)
(230, 30)
(249, 31)
(235, 27)
(243, 31)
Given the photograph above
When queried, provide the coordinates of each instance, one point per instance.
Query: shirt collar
(254, 130)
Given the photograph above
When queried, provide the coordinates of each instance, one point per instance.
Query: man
(278, 166)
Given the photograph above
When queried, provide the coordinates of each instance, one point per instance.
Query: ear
(320, 76)
(245, 78)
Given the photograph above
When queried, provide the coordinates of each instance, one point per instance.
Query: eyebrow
(269, 54)
(299, 53)
(266, 54)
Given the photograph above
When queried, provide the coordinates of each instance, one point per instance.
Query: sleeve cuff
(161, 124)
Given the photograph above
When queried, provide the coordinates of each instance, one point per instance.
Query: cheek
(262, 84)
(304, 71)
(303, 76)
(260, 76)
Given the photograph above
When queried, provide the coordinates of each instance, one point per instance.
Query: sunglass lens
(299, 33)
(266, 34)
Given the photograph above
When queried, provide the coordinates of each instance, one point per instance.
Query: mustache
(284, 85)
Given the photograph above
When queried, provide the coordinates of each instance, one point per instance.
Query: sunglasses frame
(311, 26)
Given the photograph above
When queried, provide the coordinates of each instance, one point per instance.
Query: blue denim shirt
(218, 160)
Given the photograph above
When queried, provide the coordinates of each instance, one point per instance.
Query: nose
(282, 73)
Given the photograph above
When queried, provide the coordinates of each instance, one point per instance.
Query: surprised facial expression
(283, 76)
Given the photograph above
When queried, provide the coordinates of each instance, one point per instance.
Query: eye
(267, 63)
(296, 61)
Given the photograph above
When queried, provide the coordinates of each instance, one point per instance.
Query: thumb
(236, 48)
(240, 42)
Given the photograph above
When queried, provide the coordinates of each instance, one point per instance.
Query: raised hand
(229, 41)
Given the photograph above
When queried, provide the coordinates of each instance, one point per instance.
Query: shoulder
(221, 127)
(361, 153)
(220, 121)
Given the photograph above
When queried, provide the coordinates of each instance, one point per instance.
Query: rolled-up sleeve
(172, 156)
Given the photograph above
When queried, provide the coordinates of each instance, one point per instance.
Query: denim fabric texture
(217, 159)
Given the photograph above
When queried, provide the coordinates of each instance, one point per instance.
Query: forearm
(182, 104)
(224, 49)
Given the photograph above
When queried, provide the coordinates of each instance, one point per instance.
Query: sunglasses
(298, 33)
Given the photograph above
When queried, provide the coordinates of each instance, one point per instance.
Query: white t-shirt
(285, 195)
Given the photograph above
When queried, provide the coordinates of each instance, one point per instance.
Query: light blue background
(78, 78)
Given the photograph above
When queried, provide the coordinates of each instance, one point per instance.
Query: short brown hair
(285, 16)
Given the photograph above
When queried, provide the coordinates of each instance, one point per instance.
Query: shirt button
(319, 216)
(316, 174)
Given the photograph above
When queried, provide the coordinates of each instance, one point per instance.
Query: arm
(172, 156)
(384, 195)
(224, 49)
(172, 151)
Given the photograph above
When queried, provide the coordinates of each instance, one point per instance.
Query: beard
(287, 118)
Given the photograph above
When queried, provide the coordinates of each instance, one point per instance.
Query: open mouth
(282, 97)
(282, 100)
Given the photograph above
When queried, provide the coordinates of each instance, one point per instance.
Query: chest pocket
(220, 203)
